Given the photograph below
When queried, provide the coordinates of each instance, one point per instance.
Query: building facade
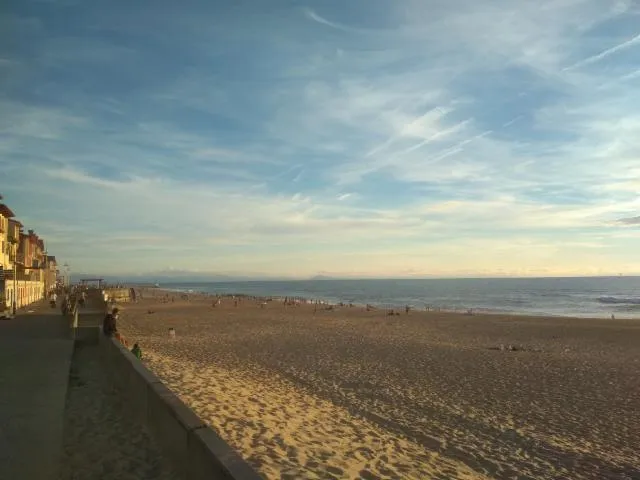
(27, 273)
(5, 217)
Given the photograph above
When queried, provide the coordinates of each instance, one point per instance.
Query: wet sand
(347, 393)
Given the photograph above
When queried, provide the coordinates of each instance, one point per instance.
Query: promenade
(35, 357)
(60, 418)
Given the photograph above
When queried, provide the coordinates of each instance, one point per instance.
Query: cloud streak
(632, 42)
(630, 221)
(288, 141)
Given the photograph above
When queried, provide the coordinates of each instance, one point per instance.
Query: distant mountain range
(185, 276)
(175, 276)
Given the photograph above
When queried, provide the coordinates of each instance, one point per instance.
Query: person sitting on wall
(137, 351)
(109, 324)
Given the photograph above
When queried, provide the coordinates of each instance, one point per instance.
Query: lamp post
(14, 302)
(67, 280)
(45, 274)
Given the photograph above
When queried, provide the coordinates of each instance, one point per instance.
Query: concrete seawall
(197, 451)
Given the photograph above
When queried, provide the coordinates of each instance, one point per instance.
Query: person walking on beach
(109, 325)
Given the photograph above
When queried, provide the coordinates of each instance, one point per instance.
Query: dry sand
(347, 393)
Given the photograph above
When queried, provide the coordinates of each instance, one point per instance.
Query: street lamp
(14, 302)
(45, 273)
(67, 275)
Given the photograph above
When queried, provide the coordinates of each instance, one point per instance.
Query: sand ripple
(347, 393)
(287, 433)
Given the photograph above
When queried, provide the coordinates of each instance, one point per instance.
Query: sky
(360, 138)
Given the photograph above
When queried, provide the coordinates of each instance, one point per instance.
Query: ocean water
(581, 297)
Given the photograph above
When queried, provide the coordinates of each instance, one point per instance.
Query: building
(5, 216)
(27, 273)
(31, 256)
(6, 248)
(51, 274)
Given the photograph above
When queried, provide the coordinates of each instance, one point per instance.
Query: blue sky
(294, 138)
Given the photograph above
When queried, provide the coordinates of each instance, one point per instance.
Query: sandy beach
(309, 392)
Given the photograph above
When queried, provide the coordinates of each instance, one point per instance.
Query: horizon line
(239, 278)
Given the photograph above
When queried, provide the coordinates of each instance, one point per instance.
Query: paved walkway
(35, 357)
(99, 442)
(60, 419)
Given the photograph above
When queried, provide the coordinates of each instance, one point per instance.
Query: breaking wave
(619, 300)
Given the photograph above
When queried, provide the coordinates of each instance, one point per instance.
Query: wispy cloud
(633, 42)
(630, 221)
(291, 140)
(323, 21)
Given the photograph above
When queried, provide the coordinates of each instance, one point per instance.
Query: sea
(587, 297)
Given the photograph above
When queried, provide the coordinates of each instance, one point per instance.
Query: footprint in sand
(292, 453)
(387, 472)
(367, 475)
(363, 454)
(335, 471)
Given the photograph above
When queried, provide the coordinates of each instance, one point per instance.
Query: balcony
(21, 275)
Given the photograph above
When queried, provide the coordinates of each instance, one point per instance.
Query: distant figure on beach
(172, 332)
(109, 324)
(406, 309)
(137, 351)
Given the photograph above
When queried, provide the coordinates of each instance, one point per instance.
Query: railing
(20, 276)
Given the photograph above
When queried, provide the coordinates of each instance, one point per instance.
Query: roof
(6, 211)
(51, 258)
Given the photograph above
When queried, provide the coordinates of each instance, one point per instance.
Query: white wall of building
(27, 292)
